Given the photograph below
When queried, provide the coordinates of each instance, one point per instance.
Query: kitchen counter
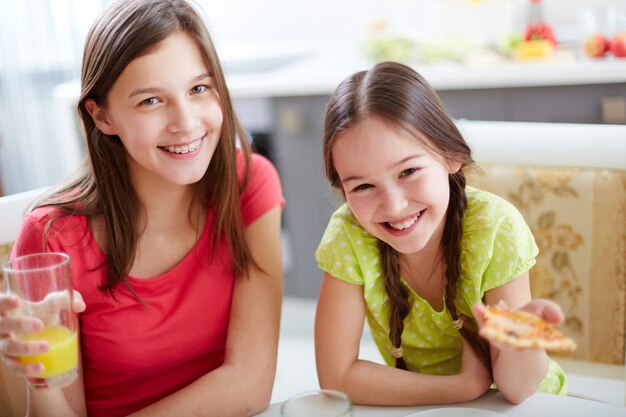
(287, 71)
(316, 72)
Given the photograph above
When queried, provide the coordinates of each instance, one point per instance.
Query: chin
(407, 250)
(187, 180)
(403, 247)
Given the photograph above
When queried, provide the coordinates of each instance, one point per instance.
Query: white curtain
(40, 49)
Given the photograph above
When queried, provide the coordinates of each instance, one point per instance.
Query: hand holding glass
(323, 403)
(43, 286)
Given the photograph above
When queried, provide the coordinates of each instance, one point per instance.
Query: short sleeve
(497, 244)
(263, 190)
(30, 237)
(344, 247)
(514, 251)
(66, 233)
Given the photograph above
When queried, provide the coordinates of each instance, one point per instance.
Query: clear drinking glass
(323, 403)
(43, 286)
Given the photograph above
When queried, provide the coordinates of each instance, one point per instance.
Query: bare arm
(242, 386)
(518, 373)
(338, 328)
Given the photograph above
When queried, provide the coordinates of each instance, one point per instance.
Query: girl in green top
(417, 252)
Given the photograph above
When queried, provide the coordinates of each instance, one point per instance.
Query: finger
(9, 346)
(552, 312)
(48, 308)
(479, 313)
(78, 303)
(55, 302)
(546, 310)
(22, 324)
(17, 367)
(8, 302)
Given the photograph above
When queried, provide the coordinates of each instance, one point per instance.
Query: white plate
(456, 412)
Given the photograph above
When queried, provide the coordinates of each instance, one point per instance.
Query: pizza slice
(523, 330)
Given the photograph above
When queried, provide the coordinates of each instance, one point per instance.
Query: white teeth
(184, 149)
(406, 224)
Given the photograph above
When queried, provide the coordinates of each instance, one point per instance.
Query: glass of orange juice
(43, 285)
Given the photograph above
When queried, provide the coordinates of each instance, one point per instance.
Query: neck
(426, 263)
(422, 265)
(166, 206)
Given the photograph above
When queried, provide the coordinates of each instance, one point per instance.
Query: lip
(396, 232)
(181, 156)
(189, 142)
(403, 219)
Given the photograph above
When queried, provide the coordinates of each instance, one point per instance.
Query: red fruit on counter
(596, 46)
(617, 45)
(540, 31)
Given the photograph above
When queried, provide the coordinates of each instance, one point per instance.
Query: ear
(99, 116)
(454, 166)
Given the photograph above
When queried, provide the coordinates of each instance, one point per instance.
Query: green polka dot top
(497, 247)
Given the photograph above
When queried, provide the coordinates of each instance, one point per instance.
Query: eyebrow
(150, 90)
(395, 164)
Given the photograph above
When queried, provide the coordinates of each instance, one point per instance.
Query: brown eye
(362, 187)
(199, 89)
(150, 101)
(407, 172)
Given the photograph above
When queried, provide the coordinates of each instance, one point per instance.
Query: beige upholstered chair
(12, 209)
(569, 182)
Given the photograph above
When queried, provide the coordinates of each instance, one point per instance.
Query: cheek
(362, 209)
(215, 116)
(139, 125)
(435, 186)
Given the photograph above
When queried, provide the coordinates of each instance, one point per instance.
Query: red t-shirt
(134, 355)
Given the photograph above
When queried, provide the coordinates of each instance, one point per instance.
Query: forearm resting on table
(518, 373)
(370, 383)
(227, 391)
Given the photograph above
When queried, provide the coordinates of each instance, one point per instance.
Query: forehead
(376, 140)
(173, 58)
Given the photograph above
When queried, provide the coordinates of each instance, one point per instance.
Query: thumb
(78, 304)
(479, 313)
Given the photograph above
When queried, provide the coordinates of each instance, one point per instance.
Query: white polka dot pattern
(497, 247)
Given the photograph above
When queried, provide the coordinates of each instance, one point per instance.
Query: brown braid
(451, 242)
(398, 296)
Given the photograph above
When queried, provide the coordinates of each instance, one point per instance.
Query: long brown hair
(124, 31)
(399, 95)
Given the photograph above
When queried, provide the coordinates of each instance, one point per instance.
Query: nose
(394, 201)
(183, 117)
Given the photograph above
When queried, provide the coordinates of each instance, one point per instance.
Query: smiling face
(395, 186)
(166, 111)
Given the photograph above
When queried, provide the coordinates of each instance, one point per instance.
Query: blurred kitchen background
(282, 60)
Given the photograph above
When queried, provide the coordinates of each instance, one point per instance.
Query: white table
(537, 405)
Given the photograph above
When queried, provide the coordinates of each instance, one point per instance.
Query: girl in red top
(173, 232)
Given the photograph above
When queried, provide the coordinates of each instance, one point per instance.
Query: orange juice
(62, 356)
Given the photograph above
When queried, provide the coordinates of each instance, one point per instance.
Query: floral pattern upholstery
(5, 251)
(578, 218)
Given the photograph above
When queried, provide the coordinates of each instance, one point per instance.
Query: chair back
(569, 183)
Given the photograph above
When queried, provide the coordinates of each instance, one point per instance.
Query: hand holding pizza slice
(530, 329)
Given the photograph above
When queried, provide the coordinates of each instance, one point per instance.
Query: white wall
(45, 37)
(347, 20)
